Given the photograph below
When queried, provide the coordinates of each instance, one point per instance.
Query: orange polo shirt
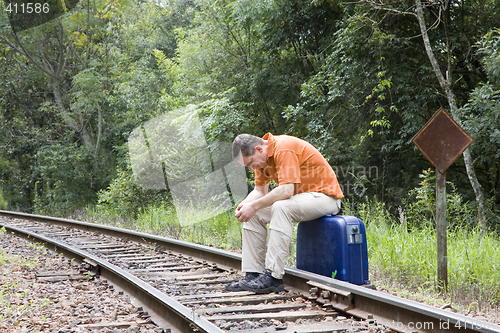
(292, 160)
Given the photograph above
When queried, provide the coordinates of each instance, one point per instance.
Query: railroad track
(182, 286)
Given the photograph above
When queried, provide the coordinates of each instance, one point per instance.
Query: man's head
(250, 151)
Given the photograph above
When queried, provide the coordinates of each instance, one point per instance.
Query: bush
(3, 203)
(420, 209)
(124, 197)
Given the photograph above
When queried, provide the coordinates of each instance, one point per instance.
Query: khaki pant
(280, 216)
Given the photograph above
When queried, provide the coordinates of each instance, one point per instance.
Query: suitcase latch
(354, 235)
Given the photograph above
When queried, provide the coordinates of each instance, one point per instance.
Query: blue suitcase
(334, 245)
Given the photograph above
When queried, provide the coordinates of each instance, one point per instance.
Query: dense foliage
(353, 78)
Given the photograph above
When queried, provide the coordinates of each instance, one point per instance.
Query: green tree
(481, 118)
(454, 63)
(382, 77)
(81, 83)
(254, 54)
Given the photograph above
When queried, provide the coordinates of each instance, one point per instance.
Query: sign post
(441, 225)
(441, 141)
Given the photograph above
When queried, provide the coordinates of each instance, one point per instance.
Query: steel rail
(178, 317)
(397, 313)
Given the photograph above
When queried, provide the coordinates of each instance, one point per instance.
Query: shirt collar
(271, 143)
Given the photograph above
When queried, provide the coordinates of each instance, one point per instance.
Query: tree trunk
(54, 72)
(445, 84)
(68, 120)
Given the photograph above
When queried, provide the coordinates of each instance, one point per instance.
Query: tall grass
(474, 267)
(404, 258)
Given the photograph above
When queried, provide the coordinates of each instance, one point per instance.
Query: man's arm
(257, 193)
(279, 193)
(260, 199)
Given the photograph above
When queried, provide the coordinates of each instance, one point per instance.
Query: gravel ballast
(41, 291)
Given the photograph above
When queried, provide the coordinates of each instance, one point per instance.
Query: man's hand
(258, 199)
(245, 211)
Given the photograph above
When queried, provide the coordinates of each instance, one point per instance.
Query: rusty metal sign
(442, 140)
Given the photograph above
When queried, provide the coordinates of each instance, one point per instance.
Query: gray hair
(245, 144)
